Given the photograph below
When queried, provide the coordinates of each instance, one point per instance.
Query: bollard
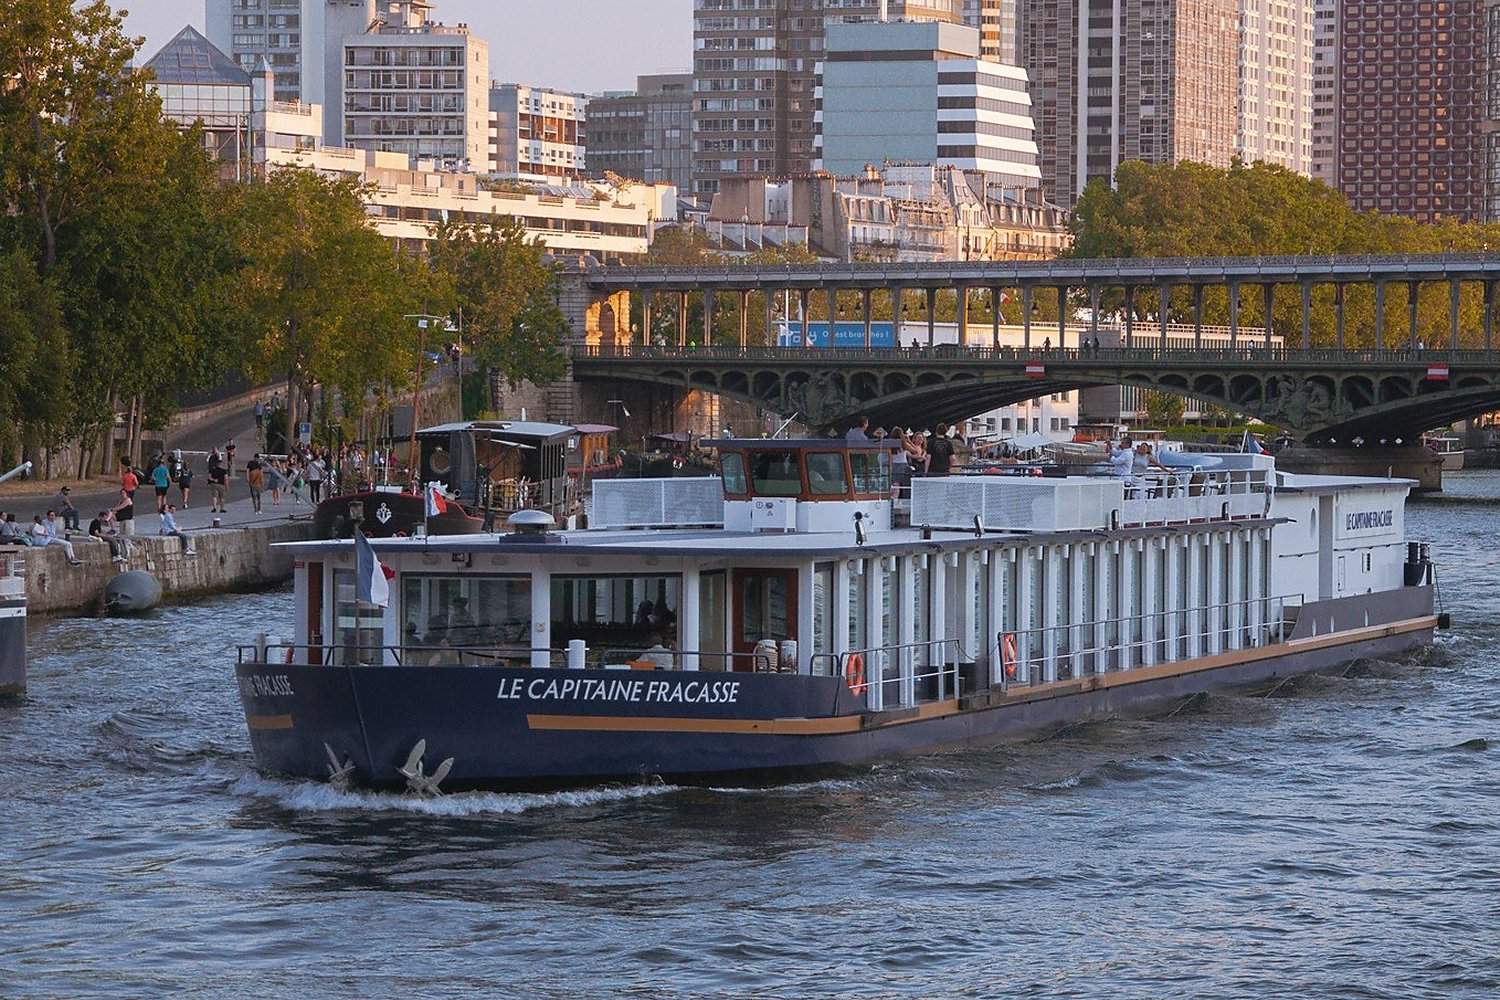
(218, 523)
(577, 652)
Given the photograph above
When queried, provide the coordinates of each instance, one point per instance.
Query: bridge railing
(1246, 351)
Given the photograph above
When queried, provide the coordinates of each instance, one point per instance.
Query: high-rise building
(1325, 87)
(421, 88)
(919, 92)
(1276, 68)
(645, 133)
(754, 74)
(273, 30)
(996, 21)
(1412, 120)
(536, 134)
(1117, 80)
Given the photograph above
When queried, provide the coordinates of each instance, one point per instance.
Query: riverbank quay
(239, 555)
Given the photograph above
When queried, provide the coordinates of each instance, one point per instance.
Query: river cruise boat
(788, 617)
(1450, 448)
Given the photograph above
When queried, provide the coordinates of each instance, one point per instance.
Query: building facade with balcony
(537, 134)
(1277, 80)
(645, 133)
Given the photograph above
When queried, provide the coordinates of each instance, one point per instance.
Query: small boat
(485, 468)
(787, 618)
(1450, 449)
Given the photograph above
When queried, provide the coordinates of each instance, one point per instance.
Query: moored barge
(788, 617)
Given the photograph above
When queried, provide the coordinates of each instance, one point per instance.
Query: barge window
(857, 637)
(713, 612)
(775, 474)
(732, 469)
(617, 616)
(358, 628)
(872, 472)
(484, 612)
(825, 474)
(823, 608)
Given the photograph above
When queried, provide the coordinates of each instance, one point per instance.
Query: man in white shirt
(41, 534)
(169, 529)
(1121, 459)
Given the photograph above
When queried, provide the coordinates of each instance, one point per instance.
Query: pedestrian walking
(218, 485)
(260, 417)
(229, 457)
(275, 481)
(255, 478)
(124, 512)
(129, 481)
(316, 471)
(184, 478)
(297, 484)
(161, 481)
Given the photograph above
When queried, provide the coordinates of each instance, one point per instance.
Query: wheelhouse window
(617, 616)
(775, 473)
(732, 469)
(488, 616)
(825, 474)
(872, 472)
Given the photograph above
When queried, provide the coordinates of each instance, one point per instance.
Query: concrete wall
(227, 560)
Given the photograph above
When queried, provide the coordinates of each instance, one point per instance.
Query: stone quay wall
(226, 560)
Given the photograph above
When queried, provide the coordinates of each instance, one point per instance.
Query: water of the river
(1340, 840)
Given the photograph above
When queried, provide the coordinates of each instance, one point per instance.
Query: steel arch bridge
(1320, 396)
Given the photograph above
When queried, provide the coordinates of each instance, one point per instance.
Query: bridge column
(1380, 315)
(865, 300)
(931, 317)
(1338, 315)
(682, 318)
(1306, 315)
(1454, 290)
(1269, 291)
(1489, 313)
(744, 318)
(646, 317)
(1026, 294)
(802, 295)
(962, 315)
(833, 313)
(1161, 315)
(1413, 293)
(1094, 292)
(1197, 317)
(771, 339)
(897, 294)
(1129, 317)
(995, 318)
(1062, 316)
(708, 317)
(1234, 315)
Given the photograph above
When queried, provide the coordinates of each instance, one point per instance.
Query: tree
(322, 293)
(1163, 409)
(507, 289)
(34, 392)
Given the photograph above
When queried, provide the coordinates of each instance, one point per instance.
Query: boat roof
(531, 429)
(718, 542)
(799, 444)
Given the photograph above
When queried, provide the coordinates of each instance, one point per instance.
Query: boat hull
(12, 645)
(518, 728)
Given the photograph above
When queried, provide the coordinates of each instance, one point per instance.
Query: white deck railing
(658, 503)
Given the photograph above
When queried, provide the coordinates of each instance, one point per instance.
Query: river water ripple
(1339, 840)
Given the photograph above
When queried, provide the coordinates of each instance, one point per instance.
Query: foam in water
(310, 797)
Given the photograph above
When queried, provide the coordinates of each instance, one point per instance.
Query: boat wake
(303, 796)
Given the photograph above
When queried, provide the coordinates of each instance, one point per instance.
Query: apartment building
(1117, 80)
(996, 22)
(1325, 88)
(645, 133)
(1414, 123)
(421, 90)
(536, 133)
(754, 77)
(1276, 81)
(249, 31)
(920, 92)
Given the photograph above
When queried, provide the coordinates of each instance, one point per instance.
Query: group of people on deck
(922, 453)
(1132, 462)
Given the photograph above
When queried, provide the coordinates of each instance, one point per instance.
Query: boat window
(825, 474)
(732, 468)
(872, 471)
(488, 614)
(712, 614)
(857, 637)
(822, 610)
(619, 617)
(775, 473)
(358, 628)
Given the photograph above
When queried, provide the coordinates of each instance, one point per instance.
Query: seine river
(1340, 840)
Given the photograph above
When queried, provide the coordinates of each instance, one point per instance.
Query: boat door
(765, 607)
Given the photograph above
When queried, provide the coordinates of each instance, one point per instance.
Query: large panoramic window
(617, 616)
(872, 472)
(490, 616)
(732, 468)
(775, 473)
(825, 474)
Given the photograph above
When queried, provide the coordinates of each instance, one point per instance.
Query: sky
(580, 45)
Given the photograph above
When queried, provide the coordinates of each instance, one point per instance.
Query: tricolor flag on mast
(436, 504)
(370, 575)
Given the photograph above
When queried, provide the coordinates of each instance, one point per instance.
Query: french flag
(372, 578)
(435, 503)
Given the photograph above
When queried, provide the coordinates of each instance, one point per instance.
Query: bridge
(1323, 394)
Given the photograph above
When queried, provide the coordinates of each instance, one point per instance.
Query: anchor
(418, 782)
(340, 776)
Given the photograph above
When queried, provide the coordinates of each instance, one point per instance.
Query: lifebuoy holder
(854, 673)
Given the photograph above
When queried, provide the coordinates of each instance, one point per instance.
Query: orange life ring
(1008, 654)
(854, 673)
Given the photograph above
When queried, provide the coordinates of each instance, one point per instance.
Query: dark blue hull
(12, 647)
(519, 728)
